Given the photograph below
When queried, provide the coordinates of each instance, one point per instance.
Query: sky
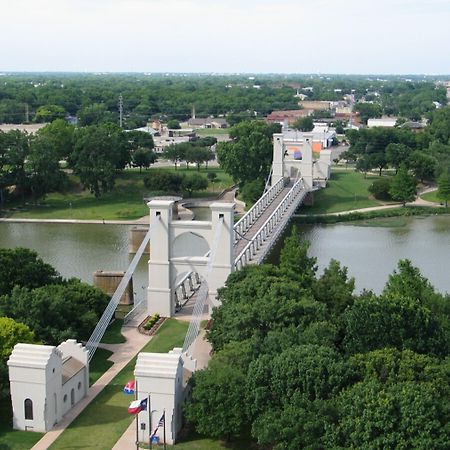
(228, 36)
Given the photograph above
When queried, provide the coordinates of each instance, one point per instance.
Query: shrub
(151, 321)
(380, 188)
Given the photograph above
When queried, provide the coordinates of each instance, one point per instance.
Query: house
(208, 122)
(385, 122)
(316, 105)
(290, 116)
(46, 382)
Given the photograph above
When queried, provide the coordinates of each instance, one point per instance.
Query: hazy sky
(302, 36)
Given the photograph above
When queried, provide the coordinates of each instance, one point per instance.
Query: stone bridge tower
(178, 247)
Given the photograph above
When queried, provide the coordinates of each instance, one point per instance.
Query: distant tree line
(302, 361)
(93, 99)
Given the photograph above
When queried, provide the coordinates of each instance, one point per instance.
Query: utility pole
(120, 110)
(27, 113)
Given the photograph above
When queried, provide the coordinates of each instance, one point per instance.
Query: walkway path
(123, 353)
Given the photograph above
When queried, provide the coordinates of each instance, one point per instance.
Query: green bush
(152, 321)
(380, 188)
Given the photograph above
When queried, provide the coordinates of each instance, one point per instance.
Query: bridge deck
(254, 228)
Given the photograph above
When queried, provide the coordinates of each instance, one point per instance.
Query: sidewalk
(123, 353)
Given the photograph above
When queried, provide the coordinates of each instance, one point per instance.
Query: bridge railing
(256, 210)
(185, 289)
(272, 227)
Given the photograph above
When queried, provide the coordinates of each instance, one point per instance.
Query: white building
(386, 122)
(46, 382)
(162, 377)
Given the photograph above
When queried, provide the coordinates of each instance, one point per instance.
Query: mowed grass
(11, 439)
(431, 197)
(124, 202)
(113, 334)
(99, 364)
(102, 423)
(345, 191)
(212, 131)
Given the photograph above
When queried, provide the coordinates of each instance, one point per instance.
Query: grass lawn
(101, 424)
(99, 364)
(212, 131)
(431, 197)
(113, 334)
(12, 439)
(345, 191)
(124, 202)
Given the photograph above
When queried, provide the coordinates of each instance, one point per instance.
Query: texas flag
(137, 406)
(130, 387)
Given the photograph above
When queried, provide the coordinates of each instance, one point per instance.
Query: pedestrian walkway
(123, 354)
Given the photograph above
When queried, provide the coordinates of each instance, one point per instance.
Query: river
(370, 252)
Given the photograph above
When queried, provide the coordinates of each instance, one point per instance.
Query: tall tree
(99, 152)
(403, 186)
(444, 187)
(248, 155)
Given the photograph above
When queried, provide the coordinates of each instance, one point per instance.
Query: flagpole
(149, 422)
(164, 414)
(137, 415)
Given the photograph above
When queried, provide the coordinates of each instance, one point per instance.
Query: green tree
(248, 155)
(217, 408)
(11, 333)
(173, 124)
(252, 191)
(95, 114)
(42, 167)
(23, 267)
(403, 186)
(304, 124)
(99, 152)
(335, 289)
(380, 188)
(423, 165)
(49, 113)
(443, 192)
(61, 134)
(176, 153)
(198, 155)
(397, 154)
(56, 312)
(143, 158)
(163, 181)
(367, 111)
(256, 301)
(372, 415)
(393, 321)
(192, 183)
(295, 263)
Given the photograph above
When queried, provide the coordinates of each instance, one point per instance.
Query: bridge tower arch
(166, 264)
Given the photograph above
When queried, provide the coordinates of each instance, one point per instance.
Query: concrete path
(123, 353)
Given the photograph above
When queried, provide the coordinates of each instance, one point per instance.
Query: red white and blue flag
(161, 423)
(137, 406)
(130, 387)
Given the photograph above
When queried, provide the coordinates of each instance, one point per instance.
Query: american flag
(160, 424)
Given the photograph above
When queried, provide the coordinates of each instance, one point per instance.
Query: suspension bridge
(192, 259)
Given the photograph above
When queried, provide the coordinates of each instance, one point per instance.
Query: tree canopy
(301, 361)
